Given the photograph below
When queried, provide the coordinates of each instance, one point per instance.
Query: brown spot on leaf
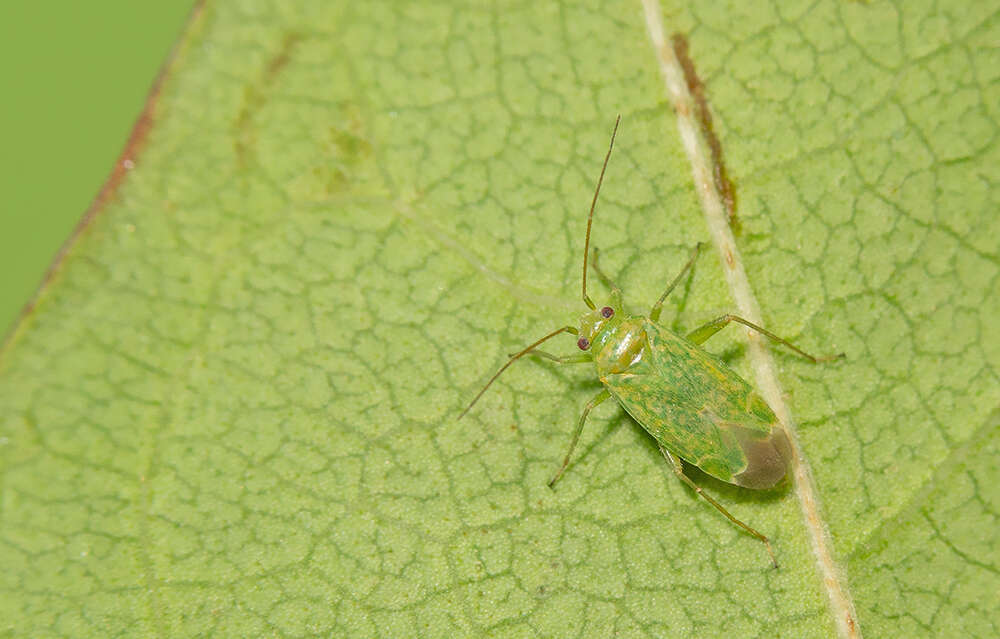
(256, 95)
(703, 115)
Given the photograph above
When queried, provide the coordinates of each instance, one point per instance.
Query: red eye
(607, 311)
(583, 343)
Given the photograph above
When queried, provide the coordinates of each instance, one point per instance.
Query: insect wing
(693, 404)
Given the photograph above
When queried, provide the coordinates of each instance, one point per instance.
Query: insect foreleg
(702, 333)
(616, 293)
(600, 397)
(654, 313)
(679, 471)
(574, 358)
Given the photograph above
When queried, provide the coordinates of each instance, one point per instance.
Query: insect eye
(607, 311)
(583, 343)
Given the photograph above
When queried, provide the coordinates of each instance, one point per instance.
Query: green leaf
(232, 409)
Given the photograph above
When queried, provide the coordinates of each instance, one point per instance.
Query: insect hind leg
(679, 471)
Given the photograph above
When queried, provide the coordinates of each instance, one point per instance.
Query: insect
(695, 407)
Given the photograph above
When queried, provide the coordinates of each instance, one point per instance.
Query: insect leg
(597, 399)
(702, 333)
(679, 471)
(654, 313)
(574, 358)
(616, 293)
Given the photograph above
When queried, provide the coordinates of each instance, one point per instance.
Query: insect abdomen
(695, 406)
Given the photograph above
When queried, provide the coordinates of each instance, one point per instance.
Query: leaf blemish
(703, 116)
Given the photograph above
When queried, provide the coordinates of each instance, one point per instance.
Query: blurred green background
(75, 77)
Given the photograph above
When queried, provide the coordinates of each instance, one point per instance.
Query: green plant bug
(695, 406)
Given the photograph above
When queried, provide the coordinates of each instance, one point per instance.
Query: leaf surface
(232, 409)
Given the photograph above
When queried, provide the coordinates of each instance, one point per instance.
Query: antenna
(590, 218)
(514, 358)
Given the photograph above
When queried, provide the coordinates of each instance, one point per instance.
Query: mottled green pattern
(690, 402)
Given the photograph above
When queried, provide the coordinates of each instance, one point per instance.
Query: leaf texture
(232, 409)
